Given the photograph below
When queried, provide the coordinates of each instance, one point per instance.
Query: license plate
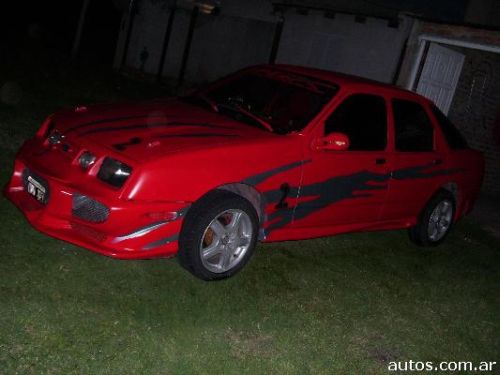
(36, 189)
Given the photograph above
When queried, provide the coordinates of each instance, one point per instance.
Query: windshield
(281, 102)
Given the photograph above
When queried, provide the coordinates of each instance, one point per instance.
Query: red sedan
(270, 153)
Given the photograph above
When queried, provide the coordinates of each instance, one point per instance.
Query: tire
(218, 236)
(435, 221)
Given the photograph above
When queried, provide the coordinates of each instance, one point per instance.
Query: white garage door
(440, 75)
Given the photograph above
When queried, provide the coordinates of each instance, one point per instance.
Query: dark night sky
(52, 23)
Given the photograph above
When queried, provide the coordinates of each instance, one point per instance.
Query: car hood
(148, 130)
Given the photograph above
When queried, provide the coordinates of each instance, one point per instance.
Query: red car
(270, 153)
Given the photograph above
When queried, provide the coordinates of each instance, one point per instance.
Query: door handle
(380, 161)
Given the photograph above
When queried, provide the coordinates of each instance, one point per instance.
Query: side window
(363, 118)
(414, 130)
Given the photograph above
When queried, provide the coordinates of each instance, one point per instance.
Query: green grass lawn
(343, 305)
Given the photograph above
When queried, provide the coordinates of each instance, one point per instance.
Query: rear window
(455, 140)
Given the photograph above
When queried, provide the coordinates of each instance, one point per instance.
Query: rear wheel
(435, 221)
(218, 236)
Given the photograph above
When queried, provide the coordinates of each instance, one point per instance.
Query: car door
(418, 164)
(346, 187)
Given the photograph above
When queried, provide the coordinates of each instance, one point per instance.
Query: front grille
(89, 209)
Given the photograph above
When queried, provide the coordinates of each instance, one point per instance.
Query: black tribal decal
(261, 177)
(335, 189)
(196, 135)
(325, 193)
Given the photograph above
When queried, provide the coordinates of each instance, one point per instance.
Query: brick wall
(475, 109)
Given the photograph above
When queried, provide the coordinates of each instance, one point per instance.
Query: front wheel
(435, 221)
(219, 235)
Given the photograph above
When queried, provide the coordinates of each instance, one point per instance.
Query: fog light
(86, 159)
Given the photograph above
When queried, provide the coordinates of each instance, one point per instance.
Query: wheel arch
(449, 187)
(454, 190)
(252, 195)
(204, 211)
(452, 187)
(249, 193)
(419, 232)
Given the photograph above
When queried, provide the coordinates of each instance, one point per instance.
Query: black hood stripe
(136, 140)
(124, 145)
(196, 135)
(151, 126)
(112, 119)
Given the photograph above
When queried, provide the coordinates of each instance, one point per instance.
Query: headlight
(86, 159)
(114, 172)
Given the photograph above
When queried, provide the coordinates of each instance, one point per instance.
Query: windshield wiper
(241, 110)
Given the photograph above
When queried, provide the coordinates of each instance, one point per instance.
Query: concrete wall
(147, 35)
(221, 43)
(242, 35)
(371, 49)
(225, 44)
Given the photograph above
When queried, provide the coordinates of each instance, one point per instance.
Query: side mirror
(332, 142)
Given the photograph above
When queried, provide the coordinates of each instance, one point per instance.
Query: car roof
(342, 79)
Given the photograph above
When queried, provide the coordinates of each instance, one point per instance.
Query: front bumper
(132, 230)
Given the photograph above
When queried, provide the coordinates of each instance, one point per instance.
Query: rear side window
(453, 137)
(413, 128)
(363, 118)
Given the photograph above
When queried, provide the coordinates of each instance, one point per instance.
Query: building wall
(476, 104)
(412, 46)
(223, 43)
(242, 34)
(147, 36)
(483, 12)
(475, 108)
(369, 49)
